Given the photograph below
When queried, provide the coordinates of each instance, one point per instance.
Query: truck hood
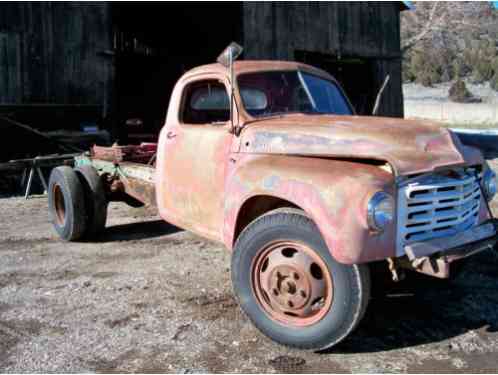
(409, 146)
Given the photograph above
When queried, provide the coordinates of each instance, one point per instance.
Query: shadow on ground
(138, 231)
(424, 310)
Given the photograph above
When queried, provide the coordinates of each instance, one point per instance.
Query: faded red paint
(409, 146)
(329, 166)
(335, 200)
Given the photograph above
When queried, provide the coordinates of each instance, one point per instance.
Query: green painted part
(139, 172)
(81, 160)
(102, 166)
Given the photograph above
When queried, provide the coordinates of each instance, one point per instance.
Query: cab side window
(205, 102)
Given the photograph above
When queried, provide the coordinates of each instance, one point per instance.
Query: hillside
(444, 41)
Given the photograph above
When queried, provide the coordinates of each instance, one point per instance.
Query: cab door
(194, 163)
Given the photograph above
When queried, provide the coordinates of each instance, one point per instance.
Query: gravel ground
(151, 298)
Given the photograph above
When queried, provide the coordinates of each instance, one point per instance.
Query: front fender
(333, 193)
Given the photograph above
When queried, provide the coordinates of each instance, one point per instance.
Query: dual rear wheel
(77, 202)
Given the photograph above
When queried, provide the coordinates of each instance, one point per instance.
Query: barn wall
(391, 103)
(275, 30)
(52, 53)
(368, 30)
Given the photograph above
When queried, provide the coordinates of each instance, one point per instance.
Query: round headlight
(380, 211)
(489, 184)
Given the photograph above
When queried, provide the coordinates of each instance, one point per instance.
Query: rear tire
(95, 200)
(66, 203)
(284, 313)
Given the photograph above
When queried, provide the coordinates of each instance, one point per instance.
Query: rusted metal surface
(292, 284)
(409, 146)
(143, 191)
(60, 206)
(142, 153)
(436, 267)
(134, 179)
(423, 249)
(435, 257)
(329, 166)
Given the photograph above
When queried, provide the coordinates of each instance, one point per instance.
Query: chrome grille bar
(436, 206)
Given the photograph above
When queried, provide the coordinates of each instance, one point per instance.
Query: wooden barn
(64, 65)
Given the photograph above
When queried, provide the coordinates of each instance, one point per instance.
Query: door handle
(170, 135)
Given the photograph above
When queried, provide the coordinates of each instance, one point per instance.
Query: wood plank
(10, 72)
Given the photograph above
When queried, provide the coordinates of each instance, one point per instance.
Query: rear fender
(333, 193)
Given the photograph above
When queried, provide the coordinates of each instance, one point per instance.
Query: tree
(441, 41)
(445, 21)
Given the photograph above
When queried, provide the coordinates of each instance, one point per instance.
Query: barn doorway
(356, 76)
(154, 44)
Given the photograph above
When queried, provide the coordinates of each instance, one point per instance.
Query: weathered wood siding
(368, 30)
(391, 103)
(277, 29)
(10, 72)
(52, 53)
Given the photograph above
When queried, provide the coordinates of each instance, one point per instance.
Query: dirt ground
(151, 298)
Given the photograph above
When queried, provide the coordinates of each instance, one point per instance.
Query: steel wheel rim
(292, 283)
(59, 205)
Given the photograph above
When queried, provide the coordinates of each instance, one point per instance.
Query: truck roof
(250, 66)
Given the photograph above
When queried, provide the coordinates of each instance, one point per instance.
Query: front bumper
(434, 257)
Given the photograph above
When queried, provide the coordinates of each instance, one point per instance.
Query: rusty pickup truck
(269, 158)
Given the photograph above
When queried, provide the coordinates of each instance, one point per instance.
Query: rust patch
(142, 153)
(140, 190)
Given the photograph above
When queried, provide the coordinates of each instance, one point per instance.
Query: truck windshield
(281, 92)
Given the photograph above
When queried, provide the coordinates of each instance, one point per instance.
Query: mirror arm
(227, 58)
(234, 129)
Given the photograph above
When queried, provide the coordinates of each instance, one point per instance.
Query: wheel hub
(292, 283)
(59, 204)
(289, 287)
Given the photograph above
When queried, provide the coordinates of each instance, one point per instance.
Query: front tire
(290, 286)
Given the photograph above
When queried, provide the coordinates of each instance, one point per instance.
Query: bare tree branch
(427, 28)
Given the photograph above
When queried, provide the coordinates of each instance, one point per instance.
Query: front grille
(437, 205)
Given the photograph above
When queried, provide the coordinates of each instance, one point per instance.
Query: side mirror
(230, 54)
